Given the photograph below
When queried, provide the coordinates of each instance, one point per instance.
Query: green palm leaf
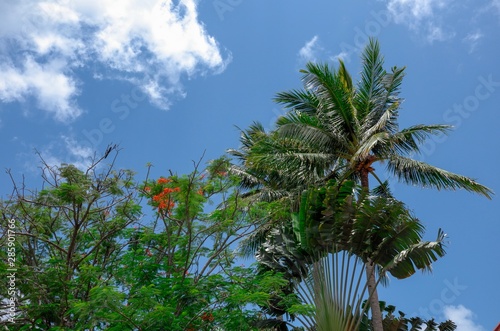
(408, 140)
(298, 100)
(422, 174)
(333, 93)
(418, 256)
(370, 95)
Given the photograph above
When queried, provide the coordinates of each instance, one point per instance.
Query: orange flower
(164, 199)
(163, 180)
(147, 189)
(207, 317)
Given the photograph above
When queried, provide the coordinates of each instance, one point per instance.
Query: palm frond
(420, 173)
(370, 94)
(418, 256)
(248, 139)
(344, 76)
(409, 140)
(334, 96)
(251, 244)
(384, 122)
(336, 288)
(383, 190)
(280, 252)
(310, 133)
(298, 100)
(392, 82)
(289, 158)
(447, 326)
(364, 150)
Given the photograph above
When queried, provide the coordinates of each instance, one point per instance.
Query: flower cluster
(163, 199)
(207, 317)
(163, 180)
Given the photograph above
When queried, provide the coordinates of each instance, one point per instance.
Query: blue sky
(171, 80)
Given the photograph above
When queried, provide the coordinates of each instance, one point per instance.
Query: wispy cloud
(411, 11)
(422, 16)
(313, 51)
(66, 150)
(463, 317)
(495, 4)
(436, 33)
(309, 52)
(472, 39)
(150, 43)
(343, 55)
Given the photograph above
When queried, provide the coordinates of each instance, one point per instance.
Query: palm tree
(334, 128)
(309, 251)
(372, 228)
(264, 182)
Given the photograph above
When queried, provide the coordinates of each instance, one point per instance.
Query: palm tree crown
(334, 127)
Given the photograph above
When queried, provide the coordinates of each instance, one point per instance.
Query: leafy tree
(187, 278)
(67, 238)
(90, 257)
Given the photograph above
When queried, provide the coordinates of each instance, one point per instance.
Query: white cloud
(150, 43)
(436, 33)
(490, 7)
(463, 317)
(77, 150)
(412, 10)
(47, 82)
(312, 51)
(67, 150)
(472, 39)
(344, 56)
(495, 4)
(422, 16)
(309, 52)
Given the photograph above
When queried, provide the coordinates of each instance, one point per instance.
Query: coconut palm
(265, 182)
(334, 127)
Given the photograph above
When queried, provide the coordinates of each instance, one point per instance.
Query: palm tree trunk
(373, 297)
(370, 274)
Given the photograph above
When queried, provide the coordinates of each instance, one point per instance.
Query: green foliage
(337, 130)
(322, 251)
(376, 228)
(95, 250)
(400, 322)
(67, 239)
(89, 258)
